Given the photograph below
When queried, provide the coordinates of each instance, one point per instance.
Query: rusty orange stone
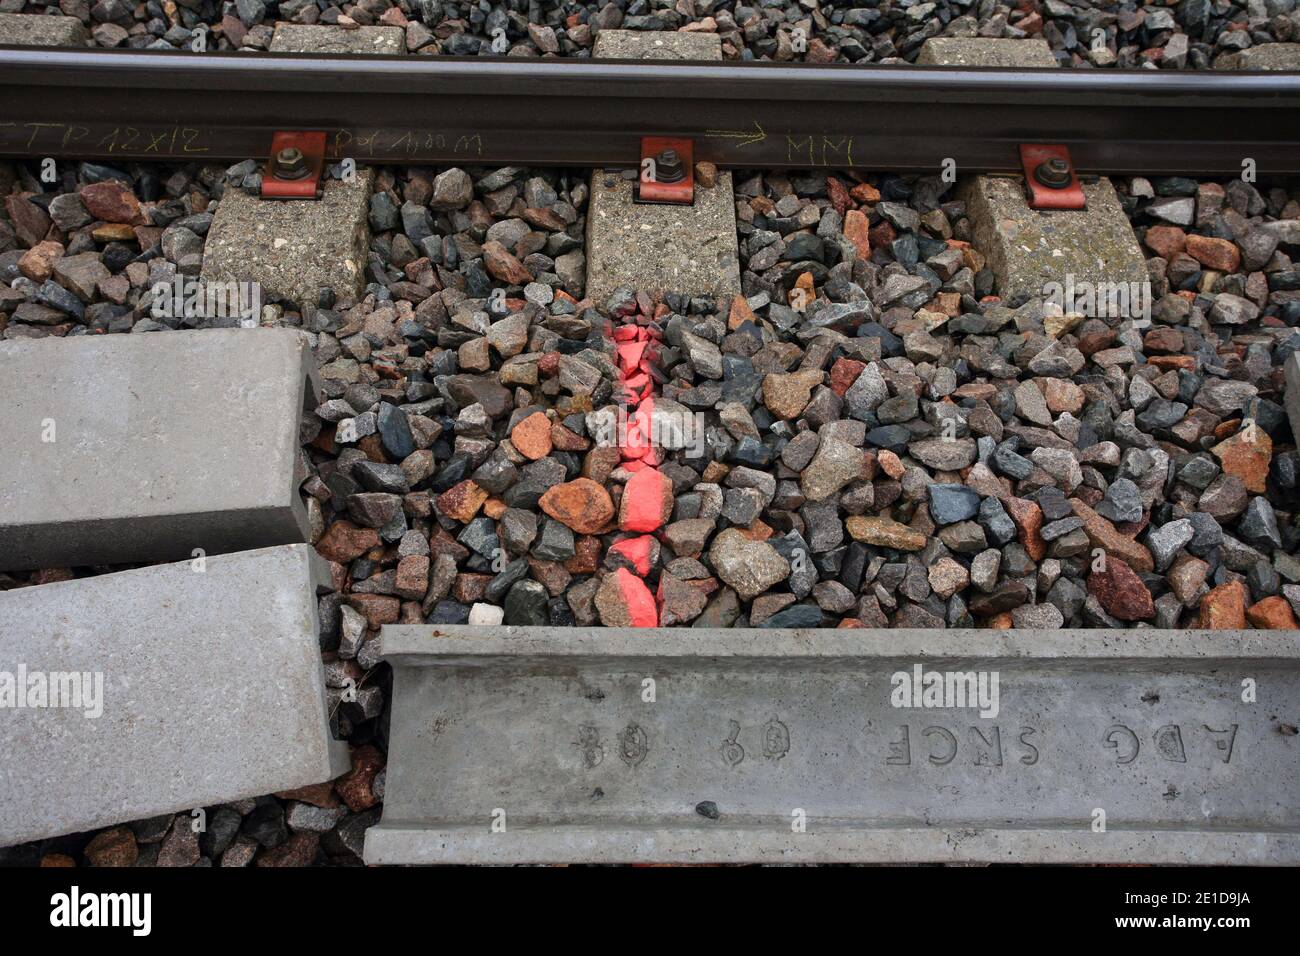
(890, 464)
(857, 229)
(532, 436)
(1273, 613)
(844, 373)
(1028, 519)
(461, 501)
(1247, 455)
(740, 313)
(344, 541)
(1220, 254)
(581, 505)
(1224, 608)
(865, 192)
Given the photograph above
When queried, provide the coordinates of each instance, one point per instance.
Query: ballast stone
(660, 248)
(161, 444)
(29, 29)
(293, 248)
(1028, 249)
(212, 691)
(303, 38)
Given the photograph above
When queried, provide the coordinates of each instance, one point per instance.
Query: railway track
(853, 352)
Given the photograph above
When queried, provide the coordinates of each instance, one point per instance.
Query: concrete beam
(657, 248)
(123, 448)
(210, 689)
(550, 732)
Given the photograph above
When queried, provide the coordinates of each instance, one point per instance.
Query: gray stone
(750, 567)
(1258, 526)
(654, 247)
(1122, 502)
(952, 503)
(944, 454)
(17, 29)
(296, 248)
(1166, 542)
(834, 466)
(301, 38)
(760, 722)
(185, 699)
(163, 444)
(995, 521)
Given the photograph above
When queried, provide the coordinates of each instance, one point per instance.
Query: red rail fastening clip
(669, 174)
(295, 167)
(1050, 180)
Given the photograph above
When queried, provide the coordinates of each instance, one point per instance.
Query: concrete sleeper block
(210, 690)
(162, 443)
(1034, 730)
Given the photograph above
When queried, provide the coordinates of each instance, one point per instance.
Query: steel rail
(142, 105)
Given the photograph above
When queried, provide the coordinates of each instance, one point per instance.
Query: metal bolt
(290, 163)
(1053, 173)
(669, 168)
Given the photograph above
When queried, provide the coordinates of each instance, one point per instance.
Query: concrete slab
(654, 248)
(123, 448)
(210, 689)
(300, 38)
(296, 248)
(974, 51)
(1026, 249)
(29, 29)
(1270, 56)
(550, 733)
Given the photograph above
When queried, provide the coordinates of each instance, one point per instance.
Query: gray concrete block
(974, 51)
(1028, 249)
(210, 690)
(25, 29)
(550, 732)
(1270, 56)
(659, 248)
(638, 45)
(293, 248)
(300, 38)
(162, 443)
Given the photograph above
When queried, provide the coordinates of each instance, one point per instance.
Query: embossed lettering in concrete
(161, 689)
(146, 447)
(603, 745)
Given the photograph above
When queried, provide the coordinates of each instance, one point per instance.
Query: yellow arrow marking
(748, 138)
